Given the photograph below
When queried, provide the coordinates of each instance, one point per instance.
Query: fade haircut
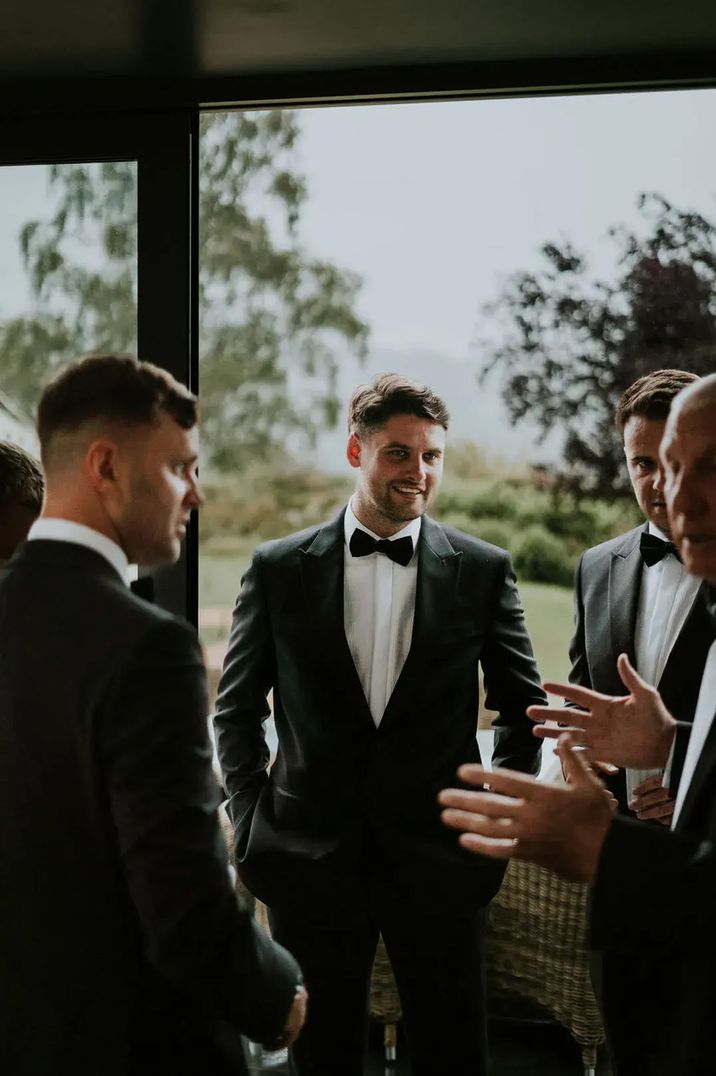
(651, 396)
(21, 481)
(112, 388)
(392, 394)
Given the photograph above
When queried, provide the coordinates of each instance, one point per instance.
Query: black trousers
(331, 921)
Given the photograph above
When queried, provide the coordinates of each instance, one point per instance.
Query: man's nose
(659, 480)
(195, 496)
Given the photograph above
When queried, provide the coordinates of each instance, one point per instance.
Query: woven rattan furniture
(537, 950)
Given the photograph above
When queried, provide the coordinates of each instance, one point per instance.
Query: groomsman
(370, 630)
(634, 596)
(654, 891)
(123, 951)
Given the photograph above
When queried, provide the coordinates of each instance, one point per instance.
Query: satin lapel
(688, 654)
(321, 566)
(624, 581)
(438, 575)
(703, 773)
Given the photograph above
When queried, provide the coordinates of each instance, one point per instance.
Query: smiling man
(370, 631)
(654, 891)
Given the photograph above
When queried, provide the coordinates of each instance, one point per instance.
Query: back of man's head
(105, 392)
(651, 396)
(22, 489)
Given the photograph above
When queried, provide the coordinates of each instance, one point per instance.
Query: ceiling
(80, 53)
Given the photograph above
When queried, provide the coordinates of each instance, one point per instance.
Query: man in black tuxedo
(123, 951)
(369, 631)
(634, 596)
(654, 890)
(22, 489)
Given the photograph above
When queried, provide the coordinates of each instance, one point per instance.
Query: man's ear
(353, 450)
(101, 465)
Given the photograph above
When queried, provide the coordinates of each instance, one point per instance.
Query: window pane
(68, 276)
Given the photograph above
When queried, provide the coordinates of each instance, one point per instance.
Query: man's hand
(631, 730)
(296, 1019)
(651, 800)
(562, 828)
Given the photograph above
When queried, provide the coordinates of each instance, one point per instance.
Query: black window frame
(164, 145)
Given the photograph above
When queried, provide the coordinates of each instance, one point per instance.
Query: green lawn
(548, 611)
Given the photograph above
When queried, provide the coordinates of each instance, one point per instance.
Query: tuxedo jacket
(606, 598)
(338, 781)
(122, 948)
(655, 892)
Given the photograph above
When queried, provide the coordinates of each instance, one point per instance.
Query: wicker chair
(537, 950)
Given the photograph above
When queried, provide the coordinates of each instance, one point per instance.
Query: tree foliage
(570, 344)
(273, 319)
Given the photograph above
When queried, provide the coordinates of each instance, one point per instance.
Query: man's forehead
(409, 427)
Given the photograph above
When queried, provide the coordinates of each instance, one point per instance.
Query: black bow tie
(400, 550)
(654, 549)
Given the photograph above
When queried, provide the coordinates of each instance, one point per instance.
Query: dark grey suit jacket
(606, 597)
(122, 948)
(337, 777)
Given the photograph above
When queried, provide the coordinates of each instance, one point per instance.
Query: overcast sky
(435, 204)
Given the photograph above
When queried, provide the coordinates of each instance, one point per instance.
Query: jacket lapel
(701, 775)
(321, 566)
(436, 588)
(623, 595)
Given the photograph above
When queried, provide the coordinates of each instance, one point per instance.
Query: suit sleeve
(512, 682)
(653, 888)
(163, 798)
(242, 700)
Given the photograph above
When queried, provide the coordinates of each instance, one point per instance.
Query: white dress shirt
(66, 530)
(703, 719)
(666, 596)
(378, 613)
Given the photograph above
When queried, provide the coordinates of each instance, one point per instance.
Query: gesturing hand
(630, 730)
(559, 827)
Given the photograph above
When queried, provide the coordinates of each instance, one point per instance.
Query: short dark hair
(392, 394)
(651, 396)
(117, 388)
(21, 480)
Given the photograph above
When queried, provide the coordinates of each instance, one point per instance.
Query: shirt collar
(352, 523)
(653, 529)
(66, 530)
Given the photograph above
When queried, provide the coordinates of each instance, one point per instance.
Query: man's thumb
(630, 677)
(577, 770)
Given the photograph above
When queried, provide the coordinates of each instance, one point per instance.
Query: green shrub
(542, 558)
(490, 530)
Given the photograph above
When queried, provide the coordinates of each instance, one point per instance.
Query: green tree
(273, 319)
(569, 344)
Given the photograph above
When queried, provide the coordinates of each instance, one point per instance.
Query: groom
(369, 630)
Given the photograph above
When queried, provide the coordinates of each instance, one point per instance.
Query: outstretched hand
(630, 730)
(559, 827)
